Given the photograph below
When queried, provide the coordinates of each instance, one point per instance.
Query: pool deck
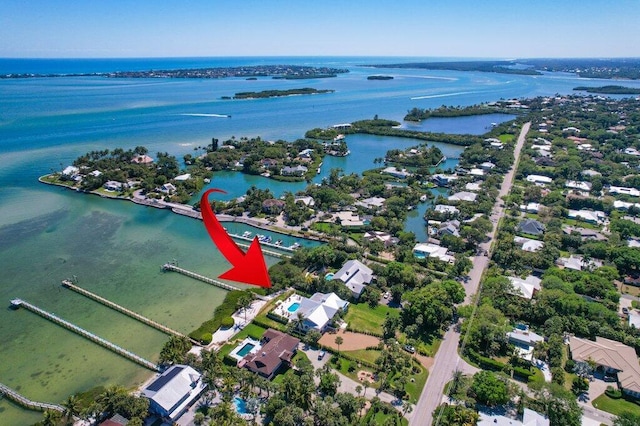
(283, 308)
(221, 337)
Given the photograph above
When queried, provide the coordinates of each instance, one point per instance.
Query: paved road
(447, 360)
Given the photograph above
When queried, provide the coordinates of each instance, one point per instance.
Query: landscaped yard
(367, 355)
(361, 317)
(615, 406)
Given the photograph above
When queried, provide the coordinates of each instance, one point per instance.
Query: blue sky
(426, 28)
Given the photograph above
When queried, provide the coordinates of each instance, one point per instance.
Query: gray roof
(531, 227)
(355, 275)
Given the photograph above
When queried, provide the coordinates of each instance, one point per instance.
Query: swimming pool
(240, 404)
(329, 276)
(293, 307)
(248, 347)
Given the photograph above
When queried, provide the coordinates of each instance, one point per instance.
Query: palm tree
(366, 386)
(406, 408)
(455, 382)
(71, 409)
(244, 301)
(51, 418)
(358, 389)
(339, 341)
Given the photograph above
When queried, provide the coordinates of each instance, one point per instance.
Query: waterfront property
(174, 391)
(425, 250)
(276, 349)
(244, 348)
(315, 312)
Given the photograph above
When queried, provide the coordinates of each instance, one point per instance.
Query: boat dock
(26, 402)
(174, 268)
(68, 284)
(16, 303)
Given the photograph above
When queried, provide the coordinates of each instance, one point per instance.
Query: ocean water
(116, 248)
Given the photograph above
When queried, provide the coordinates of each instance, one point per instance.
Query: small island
(380, 77)
(609, 90)
(278, 93)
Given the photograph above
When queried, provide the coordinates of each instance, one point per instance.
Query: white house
(318, 311)
(582, 186)
(524, 340)
(538, 179)
(355, 275)
(402, 174)
(174, 391)
(424, 250)
(444, 180)
(624, 191)
(591, 216)
(529, 418)
(527, 287)
(182, 178)
(527, 244)
(348, 219)
(443, 208)
(530, 208)
(463, 196)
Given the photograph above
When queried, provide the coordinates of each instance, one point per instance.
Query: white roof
(307, 201)
(539, 179)
(531, 207)
(530, 418)
(372, 202)
(320, 309)
(473, 186)
(463, 196)
(183, 177)
(623, 190)
(528, 244)
(476, 172)
(355, 275)
(442, 208)
(70, 170)
(175, 388)
(583, 186)
(624, 205)
(433, 250)
(588, 215)
(525, 287)
(634, 318)
(348, 218)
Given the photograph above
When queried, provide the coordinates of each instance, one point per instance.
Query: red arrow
(249, 267)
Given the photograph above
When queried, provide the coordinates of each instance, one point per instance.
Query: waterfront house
(318, 311)
(273, 206)
(167, 188)
(355, 275)
(449, 227)
(305, 154)
(277, 350)
(445, 209)
(142, 159)
(424, 250)
(70, 171)
(348, 219)
(113, 185)
(444, 180)
(183, 177)
(610, 357)
(174, 391)
(397, 173)
(307, 201)
(371, 203)
(293, 171)
(531, 227)
(463, 196)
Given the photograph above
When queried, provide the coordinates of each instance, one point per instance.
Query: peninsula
(274, 71)
(609, 90)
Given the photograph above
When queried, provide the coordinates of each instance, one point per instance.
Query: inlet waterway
(116, 248)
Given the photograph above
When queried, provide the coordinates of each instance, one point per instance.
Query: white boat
(246, 234)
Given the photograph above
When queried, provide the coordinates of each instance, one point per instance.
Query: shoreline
(188, 211)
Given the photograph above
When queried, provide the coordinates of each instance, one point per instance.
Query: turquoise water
(248, 347)
(293, 307)
(240, 404)
(116, 248)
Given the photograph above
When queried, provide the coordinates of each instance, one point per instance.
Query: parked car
(410, 349)
(321, 354)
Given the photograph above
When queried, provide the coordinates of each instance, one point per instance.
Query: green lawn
(506, 138)
(380, 418)
(363, 318)
(251, 330)
(616, 406)
(414, 388)
(368, 355)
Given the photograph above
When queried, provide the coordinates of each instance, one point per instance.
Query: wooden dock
(68, 284)
(174, 268)
(16, 303)
(26, 402)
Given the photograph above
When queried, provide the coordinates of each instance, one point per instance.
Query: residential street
(447, 359)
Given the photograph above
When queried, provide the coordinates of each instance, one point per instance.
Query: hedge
(487, 363)
(522, 372)
(278, 318)
(613, 393)
(204, 333)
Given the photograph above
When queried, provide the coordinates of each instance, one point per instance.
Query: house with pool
(267, 357)
(315, 312)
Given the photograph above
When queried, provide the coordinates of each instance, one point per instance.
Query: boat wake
(206, 115)
(442, 95)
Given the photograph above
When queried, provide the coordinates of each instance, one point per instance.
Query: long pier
(68, 284)
(84, 333)
(174, 268)
(26, 402)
